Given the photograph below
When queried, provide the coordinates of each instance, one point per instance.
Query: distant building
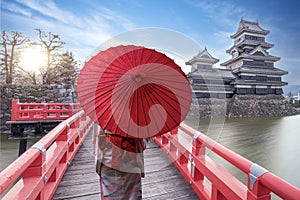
(296, 99)
(207, 81)
(250, 70)
(251, 63)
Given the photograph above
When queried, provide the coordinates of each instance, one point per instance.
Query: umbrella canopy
(134, 91)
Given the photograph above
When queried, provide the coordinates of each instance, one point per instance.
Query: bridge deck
(162, 181)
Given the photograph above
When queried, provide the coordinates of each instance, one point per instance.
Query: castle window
(201, 66)
(258, 62)
(274, 79)
(198, 81)
(235, 53)
(261, 78)
(256, 38)
(226, 82)
(244, 77)
(247, 50)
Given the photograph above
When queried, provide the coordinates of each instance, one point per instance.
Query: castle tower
(207, 81)
(251, 63)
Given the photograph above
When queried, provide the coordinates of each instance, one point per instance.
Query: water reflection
(9, 150)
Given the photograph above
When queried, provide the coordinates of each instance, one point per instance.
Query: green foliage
(66, 69)
(296, 104)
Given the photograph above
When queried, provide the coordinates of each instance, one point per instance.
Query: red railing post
(182, 159)
(198, 147)
(15, 109)
(76, 123)
(63, 136)
(174, 131)
(216, 194)
(259, 192)
(37, 169)
(256, 191)
(44, 110)
(165, 139)
(172, 147)
(197, 175)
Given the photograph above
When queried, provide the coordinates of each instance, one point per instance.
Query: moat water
(273, 143)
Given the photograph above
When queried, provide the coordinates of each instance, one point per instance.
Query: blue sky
(85, 24)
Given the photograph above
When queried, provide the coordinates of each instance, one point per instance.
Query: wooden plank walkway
(162, 181)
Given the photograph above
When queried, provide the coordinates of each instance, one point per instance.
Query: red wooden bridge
(28, 118)
(60, 166)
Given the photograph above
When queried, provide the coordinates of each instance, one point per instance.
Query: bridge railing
(39, 170)
(42, 111)
(209, 180)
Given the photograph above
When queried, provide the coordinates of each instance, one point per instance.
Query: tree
(52, 43)
(25, 77)
(66, 69)
(10, 43)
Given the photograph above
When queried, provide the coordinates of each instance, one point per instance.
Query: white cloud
(117, 18)
(15, 8)
(51, 10)
(101, 16)
(222, 11)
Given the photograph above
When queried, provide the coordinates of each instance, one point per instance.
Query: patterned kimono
(120, 165)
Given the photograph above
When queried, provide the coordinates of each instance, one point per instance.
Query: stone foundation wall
(259, 106)
(208, 107)
(242, 106)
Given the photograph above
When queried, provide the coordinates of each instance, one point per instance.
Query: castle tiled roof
(203, 56)
(250, 43)
(254, 57)
(213, 73)
(260, 70)
(249, 26)
(250, 82)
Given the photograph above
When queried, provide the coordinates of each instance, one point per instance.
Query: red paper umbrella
(134, 91)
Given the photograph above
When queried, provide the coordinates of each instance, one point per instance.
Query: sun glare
(33, 58)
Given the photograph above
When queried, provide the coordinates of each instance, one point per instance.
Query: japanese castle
(249, 71)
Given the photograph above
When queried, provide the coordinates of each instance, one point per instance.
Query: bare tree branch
(52, 43)
(10, 42)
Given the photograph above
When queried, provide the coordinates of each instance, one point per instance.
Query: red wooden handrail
(196, 167)
(42, 167)
(42, 111)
